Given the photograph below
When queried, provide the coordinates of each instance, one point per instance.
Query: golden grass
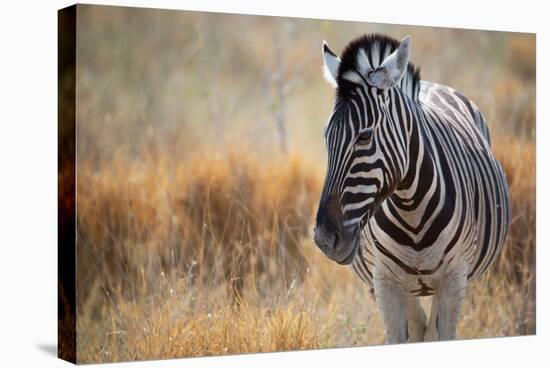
(213, 256)
(216, 218)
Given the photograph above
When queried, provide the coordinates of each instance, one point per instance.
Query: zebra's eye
(364, 136)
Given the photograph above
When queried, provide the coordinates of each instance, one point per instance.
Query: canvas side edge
(66, 212)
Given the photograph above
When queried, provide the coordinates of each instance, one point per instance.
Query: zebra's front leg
(446, 305)
(391, 301)
(416, 320)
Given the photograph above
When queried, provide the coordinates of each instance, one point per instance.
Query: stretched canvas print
(236, 184)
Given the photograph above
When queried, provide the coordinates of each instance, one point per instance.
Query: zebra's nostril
(335, 241)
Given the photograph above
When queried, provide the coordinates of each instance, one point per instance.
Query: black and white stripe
(411, 170)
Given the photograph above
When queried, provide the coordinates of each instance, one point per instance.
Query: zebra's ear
(393, 68)
(331, 64)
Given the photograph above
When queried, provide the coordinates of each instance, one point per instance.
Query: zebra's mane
(376, 48)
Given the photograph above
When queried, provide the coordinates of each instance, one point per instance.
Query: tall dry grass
(213, 256)
(200, 240)
(212, 219)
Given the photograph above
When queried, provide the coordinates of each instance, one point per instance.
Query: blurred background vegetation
(168, 81)
(200, 161)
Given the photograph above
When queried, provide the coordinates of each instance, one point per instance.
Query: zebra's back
(451, 101)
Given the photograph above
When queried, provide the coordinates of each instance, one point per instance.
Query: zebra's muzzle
(353, 252)
(336, 238)
(339, 247)
(351, 255)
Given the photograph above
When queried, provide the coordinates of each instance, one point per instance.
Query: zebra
(413, 199)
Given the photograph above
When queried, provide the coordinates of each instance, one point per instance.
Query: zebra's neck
(413, 187)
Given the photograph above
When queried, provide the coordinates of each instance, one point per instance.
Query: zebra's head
(366, 146)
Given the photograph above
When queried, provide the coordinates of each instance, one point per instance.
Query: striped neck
(414, 186)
